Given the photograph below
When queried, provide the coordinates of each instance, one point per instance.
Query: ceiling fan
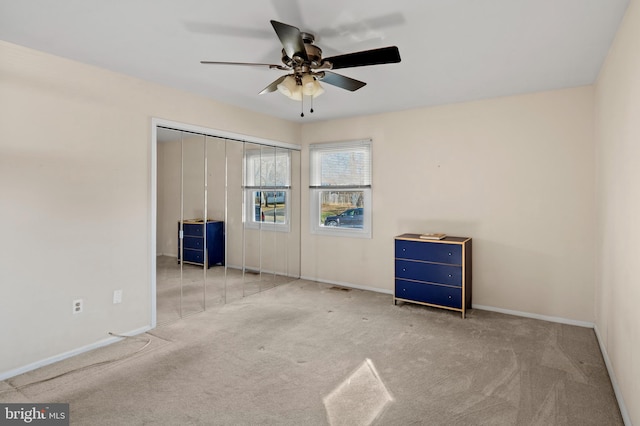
(307, 66)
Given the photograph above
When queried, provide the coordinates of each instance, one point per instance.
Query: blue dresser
(194, 232)
(433, 272)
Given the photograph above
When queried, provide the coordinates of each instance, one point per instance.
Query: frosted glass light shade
(310, 86)
(307, 85)
(290, 88)
(319, 90)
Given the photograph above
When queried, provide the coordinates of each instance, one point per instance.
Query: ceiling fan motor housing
(314, 54)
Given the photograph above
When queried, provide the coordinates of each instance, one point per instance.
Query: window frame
(251, 187)
(249, 212)
(316, 189)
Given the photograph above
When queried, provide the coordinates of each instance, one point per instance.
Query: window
(267, 188)
(340, 186)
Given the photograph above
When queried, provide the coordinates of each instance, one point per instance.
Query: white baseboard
(167, 254)
(104, 342)
(614, 383)
(349, 285)
(535, 316)
(474, 306)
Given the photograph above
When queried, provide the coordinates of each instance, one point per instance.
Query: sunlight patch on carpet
(359, 400)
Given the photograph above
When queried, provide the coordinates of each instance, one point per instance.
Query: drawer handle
(449, 253)
(450, 275)
(449, 296)
(404, 249)
(404, 269)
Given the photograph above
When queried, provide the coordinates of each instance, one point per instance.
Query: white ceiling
(451, 50)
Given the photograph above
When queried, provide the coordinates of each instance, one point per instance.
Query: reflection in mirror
(237, 206)
(169, 202)
(276, 199)
(216, 200)
(273, 211)
(195, 228)
(288, 243)
(252, 196)
(271, 199)
(233, 221)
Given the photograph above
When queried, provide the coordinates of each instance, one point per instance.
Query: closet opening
(225, 219)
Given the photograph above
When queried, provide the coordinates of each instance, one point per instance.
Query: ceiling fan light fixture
(311, 86)
(307, 85)
(289, 87)
(318, 89)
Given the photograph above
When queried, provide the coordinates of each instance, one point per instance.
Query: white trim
(167, 254)
(349, 285)
(221, 133)
(534, 316)
(479, 307)
(612, 376)
(249, 213)
(38, 364)
(153, 200)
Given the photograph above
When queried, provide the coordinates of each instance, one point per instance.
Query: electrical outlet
(117, 296)
(77, 306)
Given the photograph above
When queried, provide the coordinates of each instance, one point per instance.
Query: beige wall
(75, 195)
(618, 190)
(516, 174)
(168, 197)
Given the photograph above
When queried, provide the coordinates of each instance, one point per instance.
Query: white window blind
(340, 188)
(340, 165)
(267, 168)
(267, 187)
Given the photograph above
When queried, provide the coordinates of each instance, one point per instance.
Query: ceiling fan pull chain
(311, 111)
(302, 106)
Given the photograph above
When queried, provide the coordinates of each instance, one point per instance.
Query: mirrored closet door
(228, 220)
(273, 210)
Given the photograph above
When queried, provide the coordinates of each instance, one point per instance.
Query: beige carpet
(192, 289)
(305, 353)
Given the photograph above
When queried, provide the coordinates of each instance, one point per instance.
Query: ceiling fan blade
(384, 55)
(273, 86)
(291, 40)
(341, 81)
(250, 64)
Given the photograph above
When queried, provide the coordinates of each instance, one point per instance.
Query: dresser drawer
(429, 293)
(196, 243)
(429, 251)
(431, 272)
(195, 256)
(193, 229)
